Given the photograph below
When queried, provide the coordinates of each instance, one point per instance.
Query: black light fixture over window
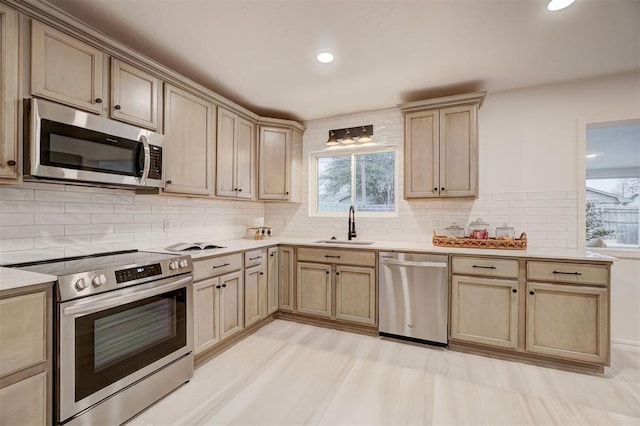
(347, 136)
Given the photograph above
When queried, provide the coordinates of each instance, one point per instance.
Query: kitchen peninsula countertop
(11, 279)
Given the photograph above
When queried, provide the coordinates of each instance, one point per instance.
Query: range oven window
(116, 342)
(76, 148)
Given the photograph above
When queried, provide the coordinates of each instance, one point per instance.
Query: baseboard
(625, 345)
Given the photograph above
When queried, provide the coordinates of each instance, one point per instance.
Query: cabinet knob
(11, 163)
(98, 100)
(261, 273)
(328, 272)
(515, 290)
(239, 189)
(435, 189)
(532, 292)
(217, 286)
(168, 182)
(118, 107)
(442, 189)
(286, 193)
(234, 189)
(224, 285)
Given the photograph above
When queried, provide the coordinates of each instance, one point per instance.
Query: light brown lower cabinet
(337, 291)
(273, 274)
(286, 278)
(568, 321)
(255, 295)
(25, 357)
(484, 310)
(314, 289)
(218, 309)
(356, 294)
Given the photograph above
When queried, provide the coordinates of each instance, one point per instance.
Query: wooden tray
(519, 243)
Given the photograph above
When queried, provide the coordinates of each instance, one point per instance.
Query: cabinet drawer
(568, 272)
(486, 266)
(338, 256)
(216, 266)
(252, 258)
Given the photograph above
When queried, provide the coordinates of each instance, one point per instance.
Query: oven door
(109, 341)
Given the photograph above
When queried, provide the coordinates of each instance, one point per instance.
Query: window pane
(375, 178)
(334, 184)
(613, 184)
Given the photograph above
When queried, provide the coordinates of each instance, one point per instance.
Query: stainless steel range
(123, 334)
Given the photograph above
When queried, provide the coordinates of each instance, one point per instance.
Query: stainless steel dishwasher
(414, 296)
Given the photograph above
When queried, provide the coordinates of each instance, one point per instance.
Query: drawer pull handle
(567, 273)
(328, 255)
(254, 258)
(483, 267)
(221, 266)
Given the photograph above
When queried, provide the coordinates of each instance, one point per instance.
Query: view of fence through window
(366, 181)
(612, 208)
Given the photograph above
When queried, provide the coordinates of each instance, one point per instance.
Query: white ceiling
(261, 53)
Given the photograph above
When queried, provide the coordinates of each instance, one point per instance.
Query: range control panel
(138, 272)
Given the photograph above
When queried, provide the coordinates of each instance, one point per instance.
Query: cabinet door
(25, 402)
(272, 280)
(189, 123)
(134, 95)
(314, 289)
(206, 314)
(421, 156)
(8, 93)
(64, 69)
(24, 342)
(568, 321)
(356, 294)
(286, 278)
(484, 311)
(253, 295)
(231, 304)
(245, 159)
(225, 156)
(458, 152)
(275, 164)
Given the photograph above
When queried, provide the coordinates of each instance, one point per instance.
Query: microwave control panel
(155, 168)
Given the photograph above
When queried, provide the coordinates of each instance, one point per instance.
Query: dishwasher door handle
(410, 263)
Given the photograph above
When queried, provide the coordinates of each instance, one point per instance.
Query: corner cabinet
(9, 147)
(189, 125)
(235, 157)
(441, 147)
(280, 163)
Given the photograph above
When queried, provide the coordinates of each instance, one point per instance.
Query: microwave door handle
(147, 159)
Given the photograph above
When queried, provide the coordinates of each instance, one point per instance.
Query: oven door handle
(91, 307)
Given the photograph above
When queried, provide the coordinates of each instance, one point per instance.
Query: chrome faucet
(352, 223)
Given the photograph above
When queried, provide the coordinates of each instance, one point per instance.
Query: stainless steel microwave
(72, 146)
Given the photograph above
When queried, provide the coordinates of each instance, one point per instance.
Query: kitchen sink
(349, 242)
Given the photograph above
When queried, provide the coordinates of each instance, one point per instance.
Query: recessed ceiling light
(325, 57)
(555, 5)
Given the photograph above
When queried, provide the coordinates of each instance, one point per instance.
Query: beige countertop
(11, 279)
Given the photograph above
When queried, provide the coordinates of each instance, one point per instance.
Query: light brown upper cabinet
(441, 147)
(8, 94)
(235, 156)
(280, 163)
(134, 95)
(189, 125)
(66, 70)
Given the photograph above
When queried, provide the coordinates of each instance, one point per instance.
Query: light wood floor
(293, 374)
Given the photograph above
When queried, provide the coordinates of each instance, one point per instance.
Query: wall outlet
(168, 226)
(436, 222)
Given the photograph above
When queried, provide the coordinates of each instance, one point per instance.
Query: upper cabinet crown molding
(476, 98)
(278, 122)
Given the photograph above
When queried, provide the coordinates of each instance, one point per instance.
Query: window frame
(630, 253)
(352, 152)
